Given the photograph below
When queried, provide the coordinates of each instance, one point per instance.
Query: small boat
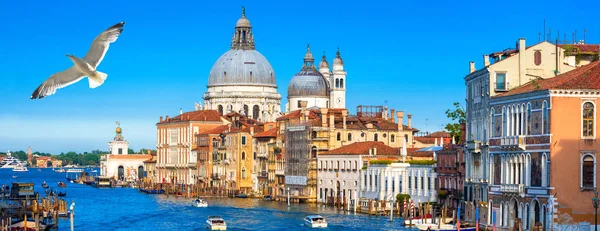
(268, 198)
(241, 195)
(62, 185)
(200, 203)
(427, 220)
(216, 223)
(315, 221)
(20, 168)
(44, 185)
(62, 194)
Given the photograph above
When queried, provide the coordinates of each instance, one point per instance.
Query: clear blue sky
(414, 54)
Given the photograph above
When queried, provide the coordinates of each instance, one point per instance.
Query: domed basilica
(243, 81)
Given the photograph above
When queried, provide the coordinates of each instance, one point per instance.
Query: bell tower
(338, 83)
(119, 146)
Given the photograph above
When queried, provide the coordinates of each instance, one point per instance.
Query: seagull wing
(57, 81)
(101, 43)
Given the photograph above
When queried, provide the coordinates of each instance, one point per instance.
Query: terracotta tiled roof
(444, 134)
(296, 114)
(267, 134)
(585, 77)
(425, 140)
(217, 130)
(415, 153)
(201, 115)
(584, 48)
(43, 158)
(362, 148)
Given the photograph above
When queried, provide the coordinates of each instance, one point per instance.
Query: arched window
(254, 155)
(504, 122)
(537, 57)
(392, 138)
(406, 138)
(314, 134)
(529, 119)
(255, 112)
(588, 172)
(251, 80)
(337, 83)
(313, 152)
(588, 119)
(375, 137)
(339, 136)
(246, 110)
(243, 155)
(341, 83)
(545, 122)
(243, 173)
(221, 109)
(349, 136)
(493, 123)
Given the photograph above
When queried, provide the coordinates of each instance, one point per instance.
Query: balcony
(279, 172)
(513, 142)
(474, 146)
(263, 174)
(512, 189)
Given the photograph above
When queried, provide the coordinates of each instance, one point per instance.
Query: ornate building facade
(242, 80)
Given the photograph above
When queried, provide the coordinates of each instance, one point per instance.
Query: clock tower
(338, 83)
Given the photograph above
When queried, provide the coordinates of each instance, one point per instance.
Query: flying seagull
(83, 67)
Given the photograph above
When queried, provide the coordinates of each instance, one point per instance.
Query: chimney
(344, 114)
(384, 114)
(522, 60)
(392, 114)
(409, 116)
(471, 67)
(229, 127)
(324, 117)
(400, 115)
(463, 133)
(161, 119)
(374, 150)
(180, 111)
(251, 130)
(486, 60)
(331, 121)
(167, 119)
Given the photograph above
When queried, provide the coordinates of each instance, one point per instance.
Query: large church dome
(242, 67)
(308, 82)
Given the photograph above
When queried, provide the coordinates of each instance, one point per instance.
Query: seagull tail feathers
(97, 79)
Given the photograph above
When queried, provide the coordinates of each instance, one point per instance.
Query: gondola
(62, 185)
(44, 185)
(62, 194)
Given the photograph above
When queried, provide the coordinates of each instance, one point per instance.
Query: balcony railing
(513, 141)
(512, 189)
(474, 146)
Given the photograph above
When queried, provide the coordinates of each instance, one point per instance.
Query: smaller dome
(324, 64)
(308, 83)
(243, 22)
(338, 61)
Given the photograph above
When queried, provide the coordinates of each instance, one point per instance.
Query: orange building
(543, 150)
(176, 159)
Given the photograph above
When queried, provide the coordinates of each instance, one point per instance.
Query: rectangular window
(243, 140)
(501, 81)
(409, 182)
(120, 151)
(422, 183)
(587, 172)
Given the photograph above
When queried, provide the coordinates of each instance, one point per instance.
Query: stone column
(390, 190)
(396, 183)
(381, 184)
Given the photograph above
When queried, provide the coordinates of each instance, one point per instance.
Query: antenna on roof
(544, 29)
(549, 34)
(573, 41)
(539, 38)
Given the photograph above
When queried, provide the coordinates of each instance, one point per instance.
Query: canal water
(128, 209)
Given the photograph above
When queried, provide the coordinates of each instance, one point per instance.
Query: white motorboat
(427, 220)
(199, 202)
(11, 161)
(216, 223)
(315, 221)
(20, 169)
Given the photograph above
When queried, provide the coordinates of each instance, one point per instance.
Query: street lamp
(595, 203)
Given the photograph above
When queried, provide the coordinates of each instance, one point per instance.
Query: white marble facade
(384, 182)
